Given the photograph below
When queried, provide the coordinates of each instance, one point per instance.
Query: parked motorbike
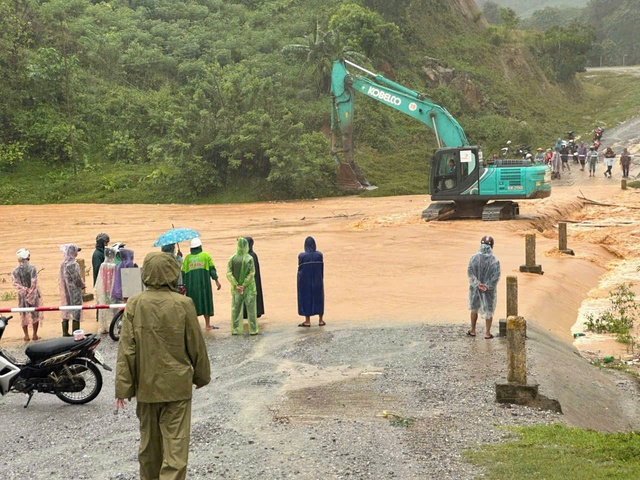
(64, 367)
(523, 150)
(116, 325)
(504, 151)
(597, 133)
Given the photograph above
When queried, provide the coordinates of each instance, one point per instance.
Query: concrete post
(530, 249)
(623, 184)
(562, 238)
(516, 390)
(512, 304)
(516, 351)
(530, 256)
(512, 296)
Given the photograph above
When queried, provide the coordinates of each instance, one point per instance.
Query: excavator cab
(454, 171)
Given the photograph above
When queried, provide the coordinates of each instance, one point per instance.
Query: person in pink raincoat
(105, 281)
(25, 279)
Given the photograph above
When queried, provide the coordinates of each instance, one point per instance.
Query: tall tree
(59, 12)
(318, 53)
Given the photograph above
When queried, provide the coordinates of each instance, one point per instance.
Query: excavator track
(439, 211)
(501, 210)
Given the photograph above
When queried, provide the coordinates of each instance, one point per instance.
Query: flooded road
(383, 264)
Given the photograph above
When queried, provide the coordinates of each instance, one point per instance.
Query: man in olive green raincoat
(241, 273)
(161, 355)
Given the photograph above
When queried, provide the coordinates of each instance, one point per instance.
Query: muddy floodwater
(383, 264)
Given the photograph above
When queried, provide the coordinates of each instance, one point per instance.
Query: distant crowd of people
(559, 160)
(196, 273)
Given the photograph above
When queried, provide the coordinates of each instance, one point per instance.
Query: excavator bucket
(351, 178)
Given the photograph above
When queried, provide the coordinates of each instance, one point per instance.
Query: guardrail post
(562, 239)
(530, 265)
(512, 304)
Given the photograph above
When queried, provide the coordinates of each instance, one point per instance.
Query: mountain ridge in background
(527, 7)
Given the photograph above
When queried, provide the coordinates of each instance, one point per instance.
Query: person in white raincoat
(484, 274)
(71, 285)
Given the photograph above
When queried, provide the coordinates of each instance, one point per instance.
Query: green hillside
(227, 101)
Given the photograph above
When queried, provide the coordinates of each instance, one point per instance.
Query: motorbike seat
(49, 348)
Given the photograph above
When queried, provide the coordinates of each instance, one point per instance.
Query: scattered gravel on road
(291, 404)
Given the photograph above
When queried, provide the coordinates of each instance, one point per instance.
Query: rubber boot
(76, 325)
(65, 328)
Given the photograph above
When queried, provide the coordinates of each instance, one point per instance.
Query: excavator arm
(448, 131)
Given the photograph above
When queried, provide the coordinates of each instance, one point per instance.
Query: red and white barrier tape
(61, 308)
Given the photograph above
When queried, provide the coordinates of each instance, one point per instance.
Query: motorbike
(523, 150)
(504, 151)
(64, 367)
(597, 133)
(116, 325)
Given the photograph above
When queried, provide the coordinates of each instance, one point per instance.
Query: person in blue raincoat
(484, 273)
(310, 283)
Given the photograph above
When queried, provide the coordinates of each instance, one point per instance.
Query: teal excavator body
(461, 183)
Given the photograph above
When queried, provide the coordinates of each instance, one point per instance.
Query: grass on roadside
(559, 452)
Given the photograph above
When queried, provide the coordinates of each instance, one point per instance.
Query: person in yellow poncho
(241, 275)
(162, 353)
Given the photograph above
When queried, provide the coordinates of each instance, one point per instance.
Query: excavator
(462, 184)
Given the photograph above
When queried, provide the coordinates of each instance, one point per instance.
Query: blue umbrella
(175, 235)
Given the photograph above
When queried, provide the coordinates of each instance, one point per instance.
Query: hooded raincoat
(556, 164)
(197, 271)
(126, 261)
(582, 154)
(70, 282)
(25, 279)
(592, 158)
(259, 297)
(161, 354)
(98, 254)
(625, 162)
(104, 288)
(310, 280)
(241, 272)
(483, 268)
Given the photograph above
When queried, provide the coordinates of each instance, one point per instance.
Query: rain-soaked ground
(293, 404)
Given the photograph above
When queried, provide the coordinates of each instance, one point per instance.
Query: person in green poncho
(197, 271)
(241, 273)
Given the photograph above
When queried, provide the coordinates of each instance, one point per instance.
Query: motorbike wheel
(91, 377)
(116, 326)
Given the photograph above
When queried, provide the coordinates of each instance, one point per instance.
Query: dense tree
(565, 49)
(491, 12)
(365, 31)
(549, 17)
(318, 53)
(508, 18)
